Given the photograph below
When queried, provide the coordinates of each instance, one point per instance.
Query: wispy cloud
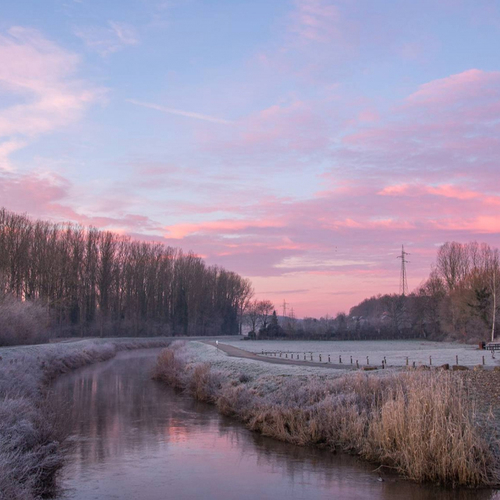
(110, 39)
(42, 75)
(188, 114)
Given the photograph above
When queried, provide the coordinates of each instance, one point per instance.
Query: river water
(132, 438)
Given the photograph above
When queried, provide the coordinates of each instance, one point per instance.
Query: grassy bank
(31, 429)
(421, 424)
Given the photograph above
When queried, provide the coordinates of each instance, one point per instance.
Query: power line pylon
(403, 284)
(284, 309)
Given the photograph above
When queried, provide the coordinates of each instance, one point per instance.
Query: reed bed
(422, 424)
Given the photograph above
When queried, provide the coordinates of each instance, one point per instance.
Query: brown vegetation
(419, 423)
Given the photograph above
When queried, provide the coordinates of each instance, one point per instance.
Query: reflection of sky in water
(133, 438)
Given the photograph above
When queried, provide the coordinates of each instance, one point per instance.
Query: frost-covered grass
(31, 430)
(395, 351)
(205, 353)
(420, 423)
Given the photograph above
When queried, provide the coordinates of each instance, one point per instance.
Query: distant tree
(273, 329)
(257, 314)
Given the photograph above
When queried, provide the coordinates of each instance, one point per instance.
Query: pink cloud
(43, 75)
(291, 128)
(472, 84)
(316, 21)
(179, 231)
(50, 196)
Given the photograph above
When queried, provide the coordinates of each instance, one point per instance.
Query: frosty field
(394, 351)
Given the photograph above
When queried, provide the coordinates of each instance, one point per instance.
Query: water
(135, 439)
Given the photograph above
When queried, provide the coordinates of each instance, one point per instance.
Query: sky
(298, 143)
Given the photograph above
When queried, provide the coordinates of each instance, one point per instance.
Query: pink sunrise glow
(300, 149)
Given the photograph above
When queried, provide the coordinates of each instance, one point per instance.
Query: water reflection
(133, 438)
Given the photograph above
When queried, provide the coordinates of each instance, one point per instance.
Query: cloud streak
(179, 112)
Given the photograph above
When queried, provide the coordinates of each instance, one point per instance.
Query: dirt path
(240, 353)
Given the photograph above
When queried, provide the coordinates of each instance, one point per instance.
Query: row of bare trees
(460, 298)
(98, 282)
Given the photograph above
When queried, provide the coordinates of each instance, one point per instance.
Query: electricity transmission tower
(284, 309)
(403, 284)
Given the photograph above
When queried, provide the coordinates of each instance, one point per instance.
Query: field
(394, 351)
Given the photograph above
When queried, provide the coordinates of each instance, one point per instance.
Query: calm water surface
(135, 439)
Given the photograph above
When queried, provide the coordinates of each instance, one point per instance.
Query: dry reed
(421, 424)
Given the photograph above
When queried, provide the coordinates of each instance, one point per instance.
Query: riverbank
(423, 424)
(31, 429)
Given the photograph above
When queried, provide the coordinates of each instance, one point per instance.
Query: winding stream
(135, 439)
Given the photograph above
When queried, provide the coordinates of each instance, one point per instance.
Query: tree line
(458, 301)
(93, 282)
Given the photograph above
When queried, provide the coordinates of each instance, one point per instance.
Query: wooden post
(456, 359)
(340, 358)
(357, 364)
(320, 358)
(483, 360)
(367, 360)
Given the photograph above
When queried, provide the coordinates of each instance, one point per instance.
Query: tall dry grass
(421, 424)
(32, 430)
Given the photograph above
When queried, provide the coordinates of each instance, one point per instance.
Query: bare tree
(258, 313)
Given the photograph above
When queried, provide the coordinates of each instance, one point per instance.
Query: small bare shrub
(22, 322)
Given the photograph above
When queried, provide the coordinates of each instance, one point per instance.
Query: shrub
(22, 322)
